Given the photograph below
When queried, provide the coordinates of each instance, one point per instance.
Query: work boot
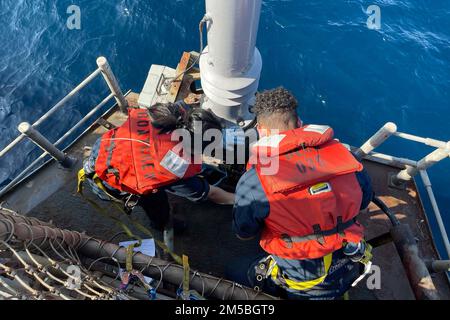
(179, 226)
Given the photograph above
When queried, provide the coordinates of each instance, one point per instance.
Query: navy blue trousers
(343, 272)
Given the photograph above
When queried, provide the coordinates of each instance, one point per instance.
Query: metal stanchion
(113, 85)
(38, 139)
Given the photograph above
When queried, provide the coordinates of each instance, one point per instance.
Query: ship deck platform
(50, 194)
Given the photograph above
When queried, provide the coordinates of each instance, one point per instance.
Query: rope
(39, 272)
(135, 223)
(52, 239)
(200, 29)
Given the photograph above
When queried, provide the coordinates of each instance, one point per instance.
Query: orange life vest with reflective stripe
(314, 196)
(135, 158)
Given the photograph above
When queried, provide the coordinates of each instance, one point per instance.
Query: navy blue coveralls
(249, 212)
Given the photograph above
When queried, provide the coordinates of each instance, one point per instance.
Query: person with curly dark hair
(276, 105)
(304, 211)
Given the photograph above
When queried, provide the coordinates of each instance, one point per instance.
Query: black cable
(380, 204)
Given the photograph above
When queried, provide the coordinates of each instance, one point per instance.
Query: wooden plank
(132, 99)
(176, 84)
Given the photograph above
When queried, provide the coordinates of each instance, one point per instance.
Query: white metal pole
(395, 161)
(230, 66)
(437, 212)
(377, 139)
(112, 82)
(428, 141)
(55, 108)
(58, 142)
(423, 164)
(38, 139)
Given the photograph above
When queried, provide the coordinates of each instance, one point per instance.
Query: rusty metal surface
(177, 82)
(408, 208)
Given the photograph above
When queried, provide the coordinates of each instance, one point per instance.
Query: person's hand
(220, 196)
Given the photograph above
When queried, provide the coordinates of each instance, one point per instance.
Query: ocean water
(343, 73)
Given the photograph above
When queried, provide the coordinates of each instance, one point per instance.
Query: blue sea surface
(343, 73)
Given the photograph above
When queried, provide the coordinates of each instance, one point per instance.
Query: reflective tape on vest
(316, 128)
(137, 158)
(313, 197)
(175, 164)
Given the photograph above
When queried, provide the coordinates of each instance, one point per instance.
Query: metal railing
(30, 131)
(411, 167)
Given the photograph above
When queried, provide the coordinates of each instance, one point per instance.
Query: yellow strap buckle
(81, 180)
(303, 285)
(367, 257)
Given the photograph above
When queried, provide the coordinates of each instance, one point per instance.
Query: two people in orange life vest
(305, 212)
(136, 163)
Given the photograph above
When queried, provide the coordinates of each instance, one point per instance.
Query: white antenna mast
(230, 66)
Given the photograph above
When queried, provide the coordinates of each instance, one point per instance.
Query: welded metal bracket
(393, 182)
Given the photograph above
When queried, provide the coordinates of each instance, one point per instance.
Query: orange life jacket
(314, 196)
(135, 158)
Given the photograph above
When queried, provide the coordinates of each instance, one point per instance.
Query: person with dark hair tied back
(137, 163)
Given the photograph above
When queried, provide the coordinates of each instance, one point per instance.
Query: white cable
(200, 28)
(129, 139)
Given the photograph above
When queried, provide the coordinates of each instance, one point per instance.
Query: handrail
(104, 69)
(426, 162)
(441, 152)
(392, 160)
(45, 145)
(53, 109)
(111, 81)
(24, 172)
(440, 222)
(427, 141)
(412, 168)
(377, 139)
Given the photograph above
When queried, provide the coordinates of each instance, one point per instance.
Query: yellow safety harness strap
(117, 221)
(277, 277)
(161, 244)
(82, 178)
(368, 255)
(186, 274)
(366, 260)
